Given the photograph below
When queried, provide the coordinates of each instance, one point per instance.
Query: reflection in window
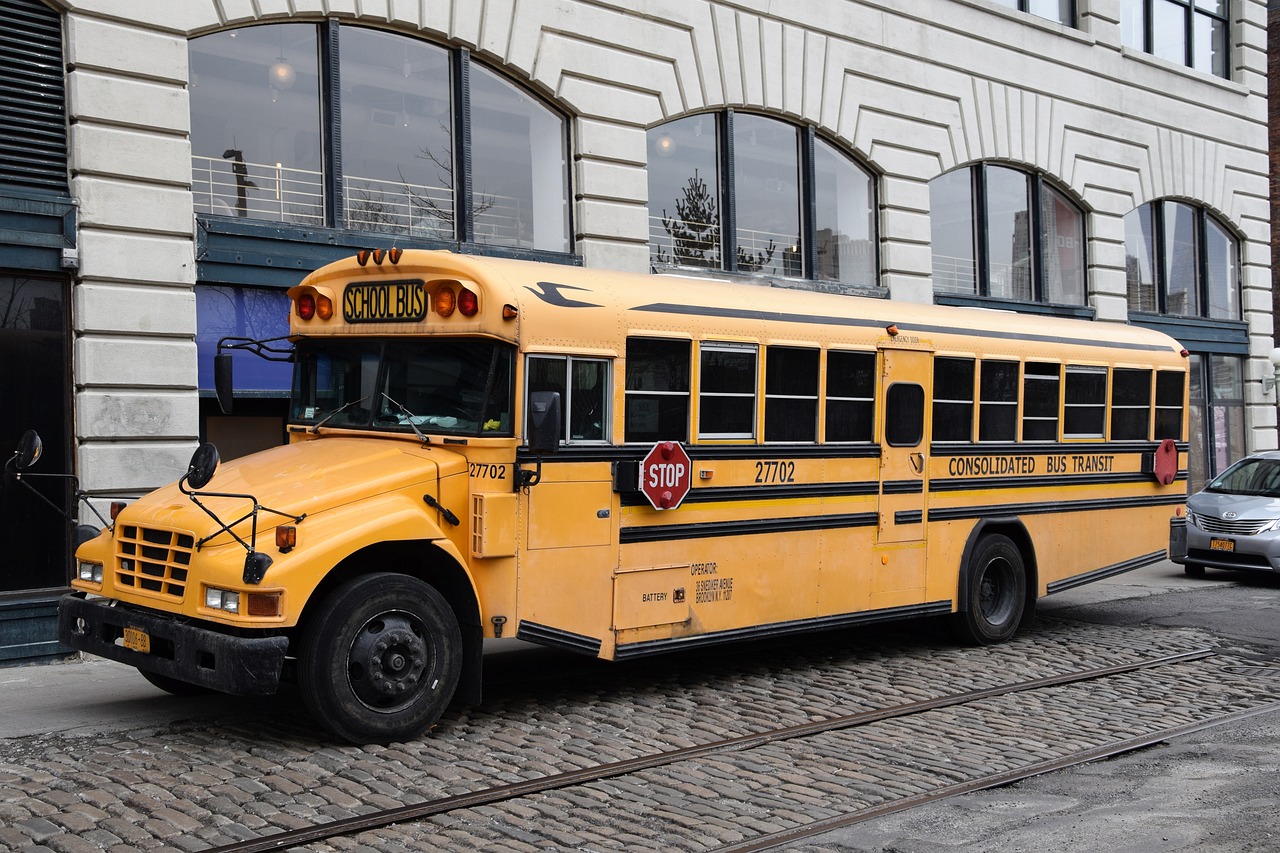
(255, 124)
(261, 150)
(518, 166)
(1188, 32)
(1217, 416)
(397, 135)
(766, 191)
(257, 313)
(1181, 261)
(766, 178)
(1003, 233)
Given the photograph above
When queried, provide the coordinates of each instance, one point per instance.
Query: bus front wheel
(997, 593)
(380, 659)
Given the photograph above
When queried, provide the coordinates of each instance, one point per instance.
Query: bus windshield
(456, 387)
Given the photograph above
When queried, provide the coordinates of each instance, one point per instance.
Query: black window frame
(1025, 6)
(234, 250)
(727, 200)
(1191, 8)
(1159, 260)
(1036, 188)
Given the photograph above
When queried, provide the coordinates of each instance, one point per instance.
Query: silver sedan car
(1234, 522)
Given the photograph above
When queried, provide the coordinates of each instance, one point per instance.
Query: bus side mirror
(203, 463)
(29, 450)
(222, 381)
(544, 422)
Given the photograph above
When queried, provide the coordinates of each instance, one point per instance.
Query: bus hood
(305, 478)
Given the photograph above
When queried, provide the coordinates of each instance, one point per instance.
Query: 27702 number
(488, 471)
(775, 472)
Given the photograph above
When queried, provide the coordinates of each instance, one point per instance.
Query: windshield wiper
(337, 411)
(409, 416)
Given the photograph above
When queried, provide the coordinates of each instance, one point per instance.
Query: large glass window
(1004, 233)
(998, 401)
(1040, 390)
(753, 218)
(263, 146)
(1181, 261)
(1217, 416)
(1188, 32)
(791, 394)
(851, 388)
(583, 386)
(953, 399)
(727, 391)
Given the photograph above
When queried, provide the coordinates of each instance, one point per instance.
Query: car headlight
(91, 572)
(222, 599)
(1274, 525)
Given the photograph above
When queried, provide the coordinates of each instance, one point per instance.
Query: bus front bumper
(242, 666)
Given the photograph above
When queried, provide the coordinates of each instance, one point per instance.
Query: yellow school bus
(620, 465)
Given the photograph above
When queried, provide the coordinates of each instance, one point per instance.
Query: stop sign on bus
(666, 474)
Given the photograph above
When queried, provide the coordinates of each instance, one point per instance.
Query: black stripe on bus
(545, 635)
(1106, 572)
(941, 450)
(822, 623)
(766, 493)
(747, 527)
(910, 516)
(821, 320)
(902, 487)
(1049, 481)
(956, 513)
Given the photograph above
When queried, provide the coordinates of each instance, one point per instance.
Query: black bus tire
(380, 659)
(997, 593)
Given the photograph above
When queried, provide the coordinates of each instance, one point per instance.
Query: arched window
(755, 195)
(367, 130)
(1179, 260)
(1003, 233)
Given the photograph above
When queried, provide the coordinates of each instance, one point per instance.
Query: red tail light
(306, 306)
(468, 304)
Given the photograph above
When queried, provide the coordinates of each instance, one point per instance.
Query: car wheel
(380, 659)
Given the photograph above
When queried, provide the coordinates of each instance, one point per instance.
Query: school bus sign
(666, 475)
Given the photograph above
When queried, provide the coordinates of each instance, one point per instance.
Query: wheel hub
(387, 659)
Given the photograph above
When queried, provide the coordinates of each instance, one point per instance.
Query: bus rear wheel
(997, 593)
(380, 659)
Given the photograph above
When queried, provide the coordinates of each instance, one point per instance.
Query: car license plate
(1222, 544)
(138, 640)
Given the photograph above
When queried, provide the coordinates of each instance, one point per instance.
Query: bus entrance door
(898, 573)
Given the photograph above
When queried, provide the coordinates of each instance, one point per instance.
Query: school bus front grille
(153, 561)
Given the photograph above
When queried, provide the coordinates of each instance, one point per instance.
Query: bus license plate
(138, 640)
(1222, 545)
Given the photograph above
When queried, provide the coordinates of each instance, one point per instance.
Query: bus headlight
(221, 599)
(90, 572)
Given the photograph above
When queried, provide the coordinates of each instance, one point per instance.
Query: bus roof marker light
(444, 302)
(892, 329)
(1184, 352)
(510, 312)
(468, 303)
(362, 256)
(378, 255)
(306, 306)
(394, 254)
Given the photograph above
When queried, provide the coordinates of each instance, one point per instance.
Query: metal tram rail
(501, 793)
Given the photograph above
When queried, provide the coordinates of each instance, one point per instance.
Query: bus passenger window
(657, 394)
(1040, 402)
(727, 391)
(904, 415)
(953, 399)
(791, 394)
(851, 397)
(1084, 407)
(998, 401)
(1131, 404)
(583, 388)
(1169, 388)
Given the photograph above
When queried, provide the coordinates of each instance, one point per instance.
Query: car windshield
(1249, 477)
(457, 387)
